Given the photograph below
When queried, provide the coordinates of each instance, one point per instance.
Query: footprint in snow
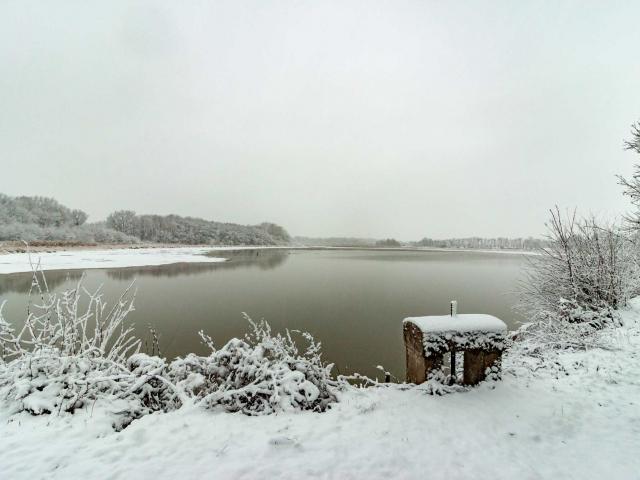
(283, 442)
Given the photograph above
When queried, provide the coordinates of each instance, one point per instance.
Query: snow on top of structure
(115, 258)
(473, 322)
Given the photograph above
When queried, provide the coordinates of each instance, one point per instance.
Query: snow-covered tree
(192, 230)
(122, 221)
(79, 217)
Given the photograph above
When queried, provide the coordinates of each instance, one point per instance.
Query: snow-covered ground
(577, 418)
(116, 258)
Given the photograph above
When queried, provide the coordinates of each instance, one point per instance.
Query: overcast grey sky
(402, 119)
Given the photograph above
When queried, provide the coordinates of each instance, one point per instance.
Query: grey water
(353, 301)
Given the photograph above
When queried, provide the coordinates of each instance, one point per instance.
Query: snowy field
(116, 258)
(575, 418)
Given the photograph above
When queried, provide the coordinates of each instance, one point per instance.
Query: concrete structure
(428, 339)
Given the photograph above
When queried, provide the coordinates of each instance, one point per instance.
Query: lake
(353, 301)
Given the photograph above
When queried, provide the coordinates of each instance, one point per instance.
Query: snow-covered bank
(115, 258)
(576, 418)
(85, 258)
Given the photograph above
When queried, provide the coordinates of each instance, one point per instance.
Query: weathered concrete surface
(421, 363)
(418, 364)
(476, 362)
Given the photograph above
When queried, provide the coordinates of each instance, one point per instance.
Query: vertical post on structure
(454, 312)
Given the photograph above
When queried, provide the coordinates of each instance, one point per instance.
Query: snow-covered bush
(73, 351)
(584, 275)
(46, 382)
(264, 373)
(66, 357)
(100, 233)
(57, 322)
(150, 386)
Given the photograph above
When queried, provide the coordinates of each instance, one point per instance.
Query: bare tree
(587, 271)
(122, 221)
(632, 185)
(79, 217)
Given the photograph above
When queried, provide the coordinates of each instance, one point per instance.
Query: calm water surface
(353, 301)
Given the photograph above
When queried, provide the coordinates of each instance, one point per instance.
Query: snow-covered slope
(83, 259)
(579, 419)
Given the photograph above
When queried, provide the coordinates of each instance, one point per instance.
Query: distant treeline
(44, 219)
(41, 211)
(466, 243)
(334, 242)
(500, 243)
(192, 231)
(34, 219)
(388, 243)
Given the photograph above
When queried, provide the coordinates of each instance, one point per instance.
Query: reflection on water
(242, 259)
(21, 282)
(265, 260)
(352, 301)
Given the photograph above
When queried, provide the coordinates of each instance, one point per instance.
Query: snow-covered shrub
(46, 382)
(57, 322)
(586, 272)
(594, 315)
(150, 386)
(262, 374)
(100, 233)
(20, 231)
(65, 357)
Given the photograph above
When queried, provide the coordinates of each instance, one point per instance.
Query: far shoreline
(55, 246)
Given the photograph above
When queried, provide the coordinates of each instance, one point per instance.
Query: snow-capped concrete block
(427, 339)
